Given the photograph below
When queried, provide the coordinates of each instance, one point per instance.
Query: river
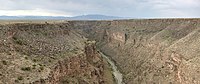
(117, 75)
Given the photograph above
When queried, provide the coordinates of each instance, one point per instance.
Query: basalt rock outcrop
(85, 68)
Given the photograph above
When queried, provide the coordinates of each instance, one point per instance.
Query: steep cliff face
(43, 53)
(85, 68)
(150, 51)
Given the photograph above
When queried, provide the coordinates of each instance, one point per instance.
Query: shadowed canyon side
(149, 51)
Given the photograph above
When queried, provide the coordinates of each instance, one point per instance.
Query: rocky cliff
(85, 68)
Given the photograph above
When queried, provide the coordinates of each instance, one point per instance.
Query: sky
(122, 8)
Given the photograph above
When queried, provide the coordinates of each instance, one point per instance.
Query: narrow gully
(117, 75)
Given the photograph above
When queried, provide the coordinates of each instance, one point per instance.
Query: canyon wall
(43, 53)
(149, 51)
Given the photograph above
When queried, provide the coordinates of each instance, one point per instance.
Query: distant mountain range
(94, 17)
(82, 17)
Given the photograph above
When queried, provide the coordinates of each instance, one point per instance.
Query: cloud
(173, 8)
(125, 8)
(35, 12)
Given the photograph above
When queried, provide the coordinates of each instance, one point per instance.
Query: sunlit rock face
(118, 36)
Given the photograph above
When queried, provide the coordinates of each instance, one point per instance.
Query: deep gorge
(148, 51)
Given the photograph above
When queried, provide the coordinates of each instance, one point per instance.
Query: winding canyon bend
(148, 51)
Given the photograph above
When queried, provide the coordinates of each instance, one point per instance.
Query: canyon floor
(140, 51)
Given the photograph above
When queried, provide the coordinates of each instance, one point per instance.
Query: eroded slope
(49, 53)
